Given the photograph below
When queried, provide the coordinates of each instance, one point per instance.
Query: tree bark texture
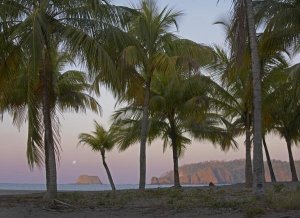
(248, 166)
(144, 134)
(258, 166)
(272, 174)
(50, 160)
(291, 159)
(110, 179)
(175, 153)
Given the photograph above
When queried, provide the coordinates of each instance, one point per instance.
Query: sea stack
(154, 181)
(85, 179)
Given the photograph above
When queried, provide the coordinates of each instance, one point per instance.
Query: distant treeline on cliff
(223, 172)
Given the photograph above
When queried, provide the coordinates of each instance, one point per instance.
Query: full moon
(74, 162)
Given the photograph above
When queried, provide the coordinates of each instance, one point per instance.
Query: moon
(74, 162)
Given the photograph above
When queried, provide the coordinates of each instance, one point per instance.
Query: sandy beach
(226, 201)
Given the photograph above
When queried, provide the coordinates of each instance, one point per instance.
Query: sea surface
(76, 187)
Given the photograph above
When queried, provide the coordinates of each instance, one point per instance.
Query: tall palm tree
(281, 20)
(36, 27)
(235, 93)
(234, 99)
(245, 21)
(152, 30)
(100, 141)
(69, 92)
(273, 74)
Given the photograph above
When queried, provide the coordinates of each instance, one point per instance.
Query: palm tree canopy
(182, 101)
(155, 49)
(281, 20)
(33, 33)
(78, 27)
(99, 140)
(285, 110)
(70, 93)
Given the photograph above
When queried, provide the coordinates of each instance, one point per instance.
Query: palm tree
(100, 141)
(285, 115)
(36, 27)
(234, 99)
(179, 105)
(282, 30)
(69, 93)
(273, 74)
(245, 26)
(150, 29)
(155, 50)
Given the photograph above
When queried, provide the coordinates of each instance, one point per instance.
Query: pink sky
(195, 25)
(124, 166)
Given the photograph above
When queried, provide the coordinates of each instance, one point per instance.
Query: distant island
(222, 172)
(85, 180)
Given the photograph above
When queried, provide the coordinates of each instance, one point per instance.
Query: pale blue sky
(196, 24)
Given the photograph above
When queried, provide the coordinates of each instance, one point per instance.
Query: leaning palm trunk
(272, 174)
(258, 166)
(291, 159)
(144, 134)
(111, 182)
(50, 161)
(248, 167)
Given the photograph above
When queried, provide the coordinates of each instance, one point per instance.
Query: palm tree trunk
(248, 167)
(110, 179)
(175, 153)
(144, 134)
(258, 164)
(50, 161)
(175, 163)
(272, 174)
(291, 159)
(175, 166)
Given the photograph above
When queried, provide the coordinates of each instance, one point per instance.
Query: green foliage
(99, 140)
(179, 102)
(33, 36)
(281, 19)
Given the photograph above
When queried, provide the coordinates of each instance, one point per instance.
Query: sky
(197, 25)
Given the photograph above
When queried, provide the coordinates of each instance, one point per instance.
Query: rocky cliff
(85, 179)
(221, 172)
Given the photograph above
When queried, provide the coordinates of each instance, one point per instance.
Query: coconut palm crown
(99, 141)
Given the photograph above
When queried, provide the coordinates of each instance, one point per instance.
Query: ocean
(76, 187)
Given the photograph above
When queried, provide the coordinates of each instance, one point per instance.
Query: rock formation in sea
(154, 181)
(222, 172)
(85, 179)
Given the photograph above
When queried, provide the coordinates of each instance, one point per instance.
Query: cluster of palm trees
(172, 88)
